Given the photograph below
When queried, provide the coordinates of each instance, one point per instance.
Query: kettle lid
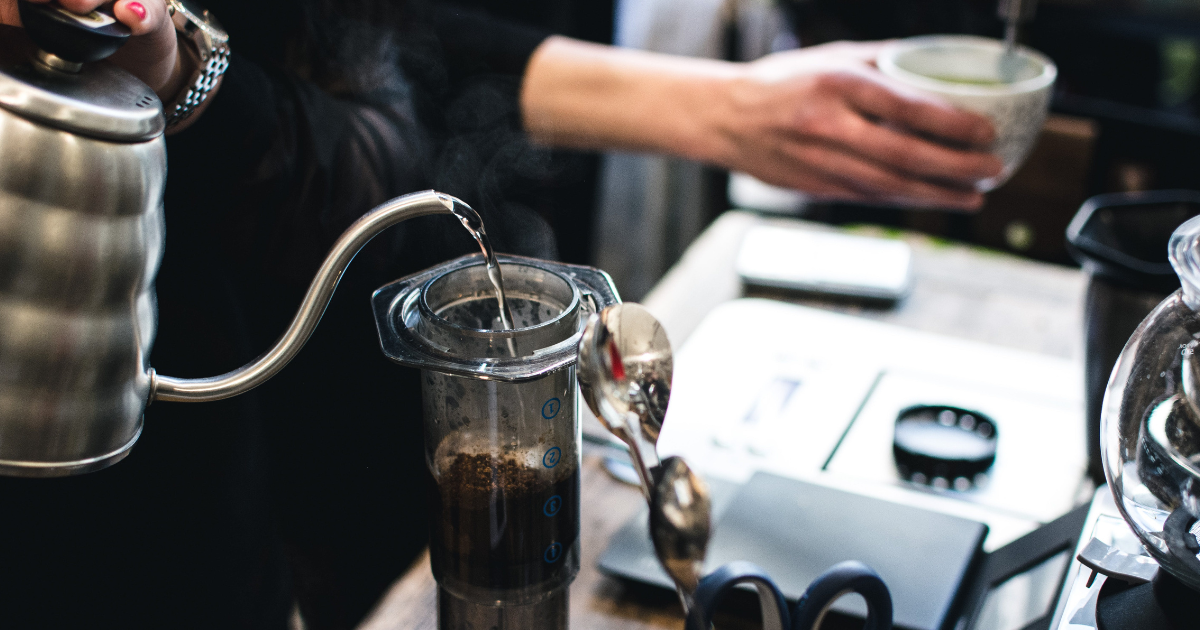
(101, 100)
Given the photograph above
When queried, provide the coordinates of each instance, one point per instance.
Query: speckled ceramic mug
(971, 73)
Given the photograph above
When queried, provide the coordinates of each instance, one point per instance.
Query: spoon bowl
(625, 367)
(625, 363)
(680, 524)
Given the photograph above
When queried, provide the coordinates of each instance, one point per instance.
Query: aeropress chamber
(502, 430)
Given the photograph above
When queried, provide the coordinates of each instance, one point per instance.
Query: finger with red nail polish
(151, 54)
(138, 10)
(140, 16)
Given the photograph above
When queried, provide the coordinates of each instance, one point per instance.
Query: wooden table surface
(958, 290)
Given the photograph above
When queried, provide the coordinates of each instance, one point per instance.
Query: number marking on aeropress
(550, 459)
(553, 552)
(551, 408)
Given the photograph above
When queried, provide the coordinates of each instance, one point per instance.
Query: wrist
(745, 115)
(184, 67)
(713, 115)
(188, 68)
(598, 97)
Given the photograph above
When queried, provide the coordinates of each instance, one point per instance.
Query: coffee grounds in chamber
(496, 523)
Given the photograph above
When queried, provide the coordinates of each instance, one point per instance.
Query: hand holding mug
(826, 121)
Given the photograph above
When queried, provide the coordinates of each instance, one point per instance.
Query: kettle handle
(320, 291)
(75, 39)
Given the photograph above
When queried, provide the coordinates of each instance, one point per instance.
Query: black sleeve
(258, 189)
(276, 168)
(477, 43)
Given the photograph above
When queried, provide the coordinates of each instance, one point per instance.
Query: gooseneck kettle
(82, 172)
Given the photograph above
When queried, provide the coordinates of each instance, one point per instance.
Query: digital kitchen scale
(795, 530)
(814, 396)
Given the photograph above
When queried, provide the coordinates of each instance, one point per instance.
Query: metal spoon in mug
(680, 525)
(1013, 12)
(625, 367)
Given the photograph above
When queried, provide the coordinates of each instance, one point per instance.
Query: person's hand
(825, 121)
(822, 120)
(152, 54)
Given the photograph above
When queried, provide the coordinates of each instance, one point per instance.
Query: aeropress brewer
(502, 430)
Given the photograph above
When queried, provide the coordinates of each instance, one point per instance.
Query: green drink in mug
(975, 74)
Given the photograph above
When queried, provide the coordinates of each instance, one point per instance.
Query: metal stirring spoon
(625, 367)
(1010, 64)
(680, 525)
(593, 344)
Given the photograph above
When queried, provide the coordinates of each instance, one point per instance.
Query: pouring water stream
(471, 220)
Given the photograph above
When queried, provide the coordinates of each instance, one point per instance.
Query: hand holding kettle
(152, 53)
(838, 580)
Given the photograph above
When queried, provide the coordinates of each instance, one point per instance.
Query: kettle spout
(320, 291)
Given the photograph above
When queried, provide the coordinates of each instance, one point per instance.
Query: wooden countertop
(958, 290)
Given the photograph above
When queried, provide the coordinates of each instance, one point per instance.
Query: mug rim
(886, 61)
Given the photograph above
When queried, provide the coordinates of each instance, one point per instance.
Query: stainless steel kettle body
(81, 237)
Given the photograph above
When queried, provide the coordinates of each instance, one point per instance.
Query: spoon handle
(645, 459)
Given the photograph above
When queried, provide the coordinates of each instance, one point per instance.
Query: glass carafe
(1151, 421)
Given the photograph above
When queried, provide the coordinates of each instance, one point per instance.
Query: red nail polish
(138, 10)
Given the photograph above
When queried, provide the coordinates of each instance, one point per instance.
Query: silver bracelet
(209, 45)
(206, 81)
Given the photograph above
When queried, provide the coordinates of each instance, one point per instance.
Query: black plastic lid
(943, 446)
(75, 38)
(1122, 237)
